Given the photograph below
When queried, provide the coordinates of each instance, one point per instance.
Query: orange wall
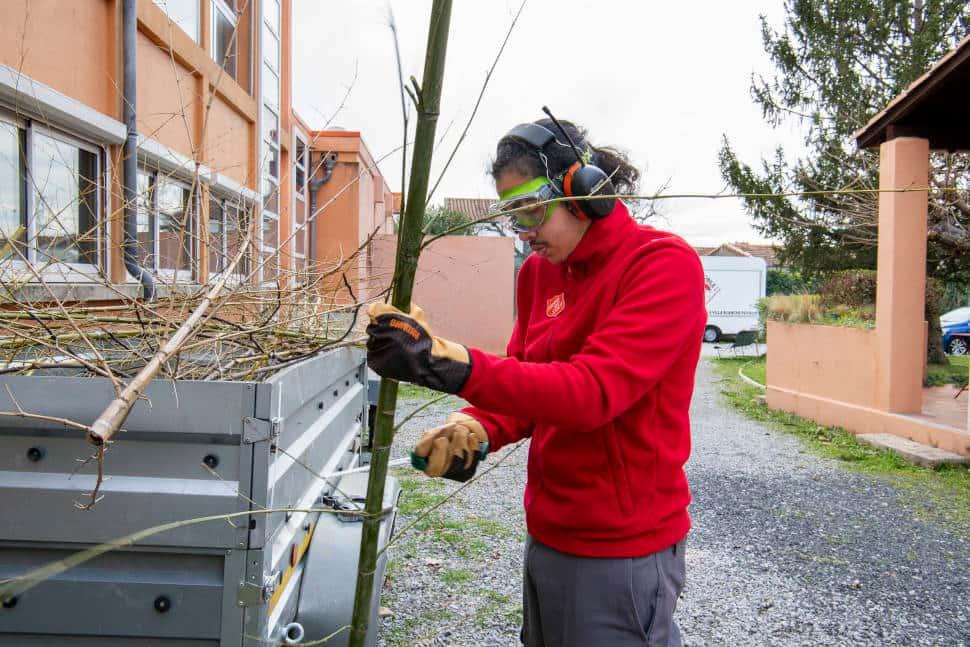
(463, 283)
(70, 46)
(228, 142)
(337, 203)
(351, 206)
(167, 98)
(827, 361)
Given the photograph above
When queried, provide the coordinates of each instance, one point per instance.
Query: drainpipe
(330, 161)
(129, 30)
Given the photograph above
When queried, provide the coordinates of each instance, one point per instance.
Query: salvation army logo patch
(555, 305)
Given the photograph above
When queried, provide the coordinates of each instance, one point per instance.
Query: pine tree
(837, 64)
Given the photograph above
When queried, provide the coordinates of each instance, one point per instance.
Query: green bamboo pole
(409, 248)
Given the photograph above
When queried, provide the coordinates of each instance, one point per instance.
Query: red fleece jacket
(600, 371)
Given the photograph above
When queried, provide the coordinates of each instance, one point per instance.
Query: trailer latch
(252, 595)
(257, 430)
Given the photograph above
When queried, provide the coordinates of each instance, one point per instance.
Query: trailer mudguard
(330, 574)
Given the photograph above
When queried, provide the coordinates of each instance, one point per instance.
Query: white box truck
(732, 287)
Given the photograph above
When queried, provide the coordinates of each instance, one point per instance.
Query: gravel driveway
(787, 549)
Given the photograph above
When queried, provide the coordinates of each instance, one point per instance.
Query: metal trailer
(190, 449)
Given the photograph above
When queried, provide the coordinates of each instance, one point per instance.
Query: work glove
(452, 450)
(400, 346)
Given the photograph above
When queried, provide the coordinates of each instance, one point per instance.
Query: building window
(64, 183)
(271, 14)
(300, 163)
(270, 140)
(13, 212)
(184, 13)
(166, 224)
(50, 196)
(224, 49)
(227, 230)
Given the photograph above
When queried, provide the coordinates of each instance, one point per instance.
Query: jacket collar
(603, 237)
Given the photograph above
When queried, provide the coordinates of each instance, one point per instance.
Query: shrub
(854, 288)
(807, 308)
(438, 220)
(793, 308)
(785, 282)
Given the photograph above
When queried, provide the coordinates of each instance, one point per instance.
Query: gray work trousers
(570, 601)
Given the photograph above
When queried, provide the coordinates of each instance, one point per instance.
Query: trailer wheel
(712, 334)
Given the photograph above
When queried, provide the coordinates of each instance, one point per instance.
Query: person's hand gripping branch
(401, 347)
(452, 450)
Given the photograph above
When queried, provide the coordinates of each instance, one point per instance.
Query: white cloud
(662, 80)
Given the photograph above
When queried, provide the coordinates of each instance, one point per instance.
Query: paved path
(787, 549)
(791, 549)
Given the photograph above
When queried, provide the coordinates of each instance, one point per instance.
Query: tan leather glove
(452, 450)
(401, 346)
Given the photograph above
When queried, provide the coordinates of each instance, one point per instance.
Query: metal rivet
(336, 393)
(35, 454)
(320, 405)
(10, 603)
(346, 382)
(162, 604)
(211, 461)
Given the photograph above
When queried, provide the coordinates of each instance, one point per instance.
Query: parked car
(956, 331)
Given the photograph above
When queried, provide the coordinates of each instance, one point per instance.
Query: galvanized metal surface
(190, 449)
(330, 578)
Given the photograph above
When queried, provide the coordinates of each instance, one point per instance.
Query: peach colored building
(872, 380)
(356, 190)
(220, 151)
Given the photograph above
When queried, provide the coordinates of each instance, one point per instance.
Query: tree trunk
(936, 354)
(408, 250)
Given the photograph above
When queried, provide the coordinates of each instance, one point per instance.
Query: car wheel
(958, 346)
(711, 334)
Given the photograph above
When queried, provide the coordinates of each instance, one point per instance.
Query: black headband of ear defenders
(539, 137)
(534, 135)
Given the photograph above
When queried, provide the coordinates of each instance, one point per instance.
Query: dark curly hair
(516, 155)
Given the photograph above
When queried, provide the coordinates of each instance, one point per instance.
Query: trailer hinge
(252, 595)
(256, 430)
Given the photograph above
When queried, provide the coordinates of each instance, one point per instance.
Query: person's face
(557, 237)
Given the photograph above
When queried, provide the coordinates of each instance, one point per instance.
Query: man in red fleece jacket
(599, 372)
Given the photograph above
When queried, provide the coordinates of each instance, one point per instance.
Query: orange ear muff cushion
(567, 187)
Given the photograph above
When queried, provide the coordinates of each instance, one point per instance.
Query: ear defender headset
(583, 180)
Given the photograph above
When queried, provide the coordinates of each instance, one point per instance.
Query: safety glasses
(527, 205)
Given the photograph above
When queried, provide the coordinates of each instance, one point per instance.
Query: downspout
(129, 22)
(329, 162)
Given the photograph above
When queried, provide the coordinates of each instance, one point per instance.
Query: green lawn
(942, 494)
(954, 373)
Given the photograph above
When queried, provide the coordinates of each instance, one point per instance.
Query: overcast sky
(662, 80)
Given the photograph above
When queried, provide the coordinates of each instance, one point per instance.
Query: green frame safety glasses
(528, 204)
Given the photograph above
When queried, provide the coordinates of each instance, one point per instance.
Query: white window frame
(57, 271)
(241, 207)
(300, 197)
(220, 6)
(273, 104)
(196, 37)
(181, 276)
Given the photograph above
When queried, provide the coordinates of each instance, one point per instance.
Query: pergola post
(901, 281)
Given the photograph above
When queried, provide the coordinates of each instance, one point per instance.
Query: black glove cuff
(457, 470)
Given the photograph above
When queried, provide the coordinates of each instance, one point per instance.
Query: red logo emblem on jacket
(555, 305)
